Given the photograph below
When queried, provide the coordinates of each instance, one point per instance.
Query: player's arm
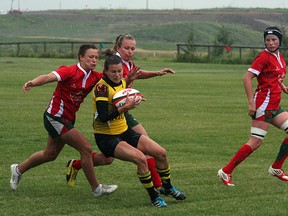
(40, 80)
(148, 74)
(105, 115)
(247, 80)
(101, 95)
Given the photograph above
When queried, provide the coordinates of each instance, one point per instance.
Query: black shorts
(107, 143)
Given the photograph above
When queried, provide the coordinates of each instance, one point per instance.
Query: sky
(36, 5)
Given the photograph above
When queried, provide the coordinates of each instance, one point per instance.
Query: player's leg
(280, 121)
(126, 152)
(136, 126)
(53, 147)
(50, 153)
(258, 132)
(73, 166)
(150, 147)
(76, 140)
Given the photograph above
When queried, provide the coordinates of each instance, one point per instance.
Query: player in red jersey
(264, 107)
(74, 84)
(125, 47)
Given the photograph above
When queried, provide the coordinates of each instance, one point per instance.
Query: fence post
(72, 48)
(240, 53)
(18, 49)
(44, 47)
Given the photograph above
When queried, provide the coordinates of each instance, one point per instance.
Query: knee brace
(258, 133)
(284, 126)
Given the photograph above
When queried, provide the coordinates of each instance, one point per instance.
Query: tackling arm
(149, 74)
(40, 80)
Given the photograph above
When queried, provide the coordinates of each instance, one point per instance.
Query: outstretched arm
(149, 74)
(40, 80)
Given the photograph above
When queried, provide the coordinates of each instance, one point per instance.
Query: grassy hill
(162, 29)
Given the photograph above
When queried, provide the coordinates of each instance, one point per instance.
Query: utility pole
(11, 5)
(146, 4)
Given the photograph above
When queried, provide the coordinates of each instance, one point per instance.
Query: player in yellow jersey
(115, 139)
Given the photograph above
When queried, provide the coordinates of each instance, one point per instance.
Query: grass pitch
(199, 115)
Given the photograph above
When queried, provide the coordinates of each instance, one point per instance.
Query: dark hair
(119, 40)
(273, 30)
(83, 48)
(111, 59)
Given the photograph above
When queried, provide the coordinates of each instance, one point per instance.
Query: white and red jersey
(74, 84)
(127, 67)
(270, 69)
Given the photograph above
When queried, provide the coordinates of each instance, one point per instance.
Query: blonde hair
(119, 40)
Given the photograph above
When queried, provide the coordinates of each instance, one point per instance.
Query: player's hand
(252, 110)
(132, 101)
(165, 71)
(27, 86)
(134, 73)
(284, 88)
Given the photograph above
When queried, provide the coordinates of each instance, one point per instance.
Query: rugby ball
(119, 99)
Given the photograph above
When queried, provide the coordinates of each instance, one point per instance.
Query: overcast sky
(32, 5)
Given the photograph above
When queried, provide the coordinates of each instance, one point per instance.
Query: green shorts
(57, 126)
(267, 115)
(131, 121)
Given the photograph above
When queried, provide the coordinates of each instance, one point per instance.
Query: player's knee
(50, 155)
(161, 154)
(258, 133)
(284, 126)
(108, 160)
(140, 159)
(86, 150)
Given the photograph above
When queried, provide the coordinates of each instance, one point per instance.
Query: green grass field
(199, 115)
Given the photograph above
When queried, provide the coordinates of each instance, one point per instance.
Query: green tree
(190, 42)
(284, 42)
(223, 39)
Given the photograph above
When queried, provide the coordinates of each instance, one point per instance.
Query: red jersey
(127, 67)
(270, 70)
(74, 84)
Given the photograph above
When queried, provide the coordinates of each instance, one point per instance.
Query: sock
(282, 155)
(146, 181)
(165, 178)
(77, 163)
(240, 155)
(154, 174)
